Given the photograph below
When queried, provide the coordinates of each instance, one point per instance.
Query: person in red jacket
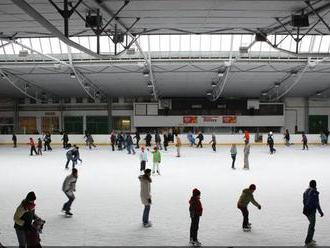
(33, 147)
(196, 211)
(246, 136)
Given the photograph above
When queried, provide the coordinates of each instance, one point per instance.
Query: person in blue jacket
(311, 204)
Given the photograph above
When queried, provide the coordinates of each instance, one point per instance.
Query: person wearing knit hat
(196, 211)
(244, 200)
(145, 194)
(23, 218)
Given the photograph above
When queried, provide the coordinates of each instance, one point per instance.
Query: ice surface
(108, 211)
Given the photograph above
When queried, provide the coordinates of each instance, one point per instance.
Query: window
(122, 123)
(73, 124)
(67, 100)
(79, 100)
(97, 124)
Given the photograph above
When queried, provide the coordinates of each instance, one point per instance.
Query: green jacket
(246, 198)
(156, 156)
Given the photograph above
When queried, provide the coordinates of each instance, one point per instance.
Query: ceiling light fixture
(146, 72)
(213, 84)
(209, 93)
(276, 85)
(72, 75)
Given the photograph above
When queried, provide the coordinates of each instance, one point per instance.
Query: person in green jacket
(156, 160)
(244, 200)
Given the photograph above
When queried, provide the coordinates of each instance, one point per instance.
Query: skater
(33, 234)
(68, 187)
(191, 139)
(129, 144)
(323, 138)
(311, 204)
(326, 132)
(145, 195)
(90, 141)
(158, 140)
(233, 152)
(39, 146)
(148, 139)
(244, 200)
(14, 139)
(156, 158)
(113, 139)
(65, 140)
(270, 143)
(178, 145)
(246, 155)
(246, 136)
(70, 157)
(287, 137)
(304, 140)
(196, 211)
(32, 147)
(120, 141)
(214, 143)
(143, 159)
(47, 141)
(137, 138)
(76, 155)
(200, 138)
(23, 217)
(165, 141)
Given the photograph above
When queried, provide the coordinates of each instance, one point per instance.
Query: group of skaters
(36, 148)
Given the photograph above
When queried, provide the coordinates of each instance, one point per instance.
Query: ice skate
(68, 214)
(195, 243)
(146, 225)
(247, 229)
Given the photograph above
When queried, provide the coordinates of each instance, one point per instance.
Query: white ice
(108, 211)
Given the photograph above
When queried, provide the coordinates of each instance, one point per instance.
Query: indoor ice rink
(164, 123)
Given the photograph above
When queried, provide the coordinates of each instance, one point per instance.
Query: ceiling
(167, 16)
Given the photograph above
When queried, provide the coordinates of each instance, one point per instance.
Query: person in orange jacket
(33, 147)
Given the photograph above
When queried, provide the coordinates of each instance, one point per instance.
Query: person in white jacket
(68, 187)
(145, 195)
(143, 159)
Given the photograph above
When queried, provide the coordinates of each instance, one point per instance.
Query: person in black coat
(311, 204)
(113, 140)
(120, 141)
(14, 139)
(200, 138)
(137, 138)
(148, 139)
(165, 141)
(65, 140)
(158, 140)
(270, 142)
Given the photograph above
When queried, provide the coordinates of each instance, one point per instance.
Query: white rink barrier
(294, 138)
(105, 139)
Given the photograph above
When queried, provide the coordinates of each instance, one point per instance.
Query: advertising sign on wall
(229, 119)
(189, 119)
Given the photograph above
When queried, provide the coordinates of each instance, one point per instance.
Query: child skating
(196, 211)
(156, 157)
(143, 159)
(233, 153)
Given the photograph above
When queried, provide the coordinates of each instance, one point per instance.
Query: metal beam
(52, 29)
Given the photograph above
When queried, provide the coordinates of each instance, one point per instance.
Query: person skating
(70, 156)
(158, 140)
(143, 159)
(304, 140)
(165, 141)
(246, 136)
(196, 211)
(130, 144)
(39, 147)
(178, 145)
(23, 218)
(214, 143)
(287, 137)
(32, 147)
(90, 141)
(76, 155)
(200, 138)
(47, 140)
(233, 153)
(323, 138)
(14, 139)
(33, 235)
(270, 143)
(68, 187)
(148, 139)
(137, 138)
(65, 140)
(243, 202)
(113, 139)
(246, 151)
(156, 159)
(311, 204)
(145, 194)
(191, 138)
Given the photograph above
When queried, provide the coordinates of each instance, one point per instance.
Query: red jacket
(195, 207)
(32, 143)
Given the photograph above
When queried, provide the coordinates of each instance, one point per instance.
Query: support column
(306, 108)
(109, 109)
(16, 116)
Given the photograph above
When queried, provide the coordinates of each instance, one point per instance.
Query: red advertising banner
(189, 119)
(209, 119)
(229, 119)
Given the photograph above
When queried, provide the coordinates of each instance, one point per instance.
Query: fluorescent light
(72, 75)
(213, 84)
(146, 73)
(318, 93)
(264, 93)
(209, 93)
(149, 85)
(276, 85)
